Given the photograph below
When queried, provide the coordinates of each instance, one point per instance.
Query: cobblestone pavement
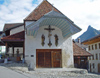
(22, 68)
(64, 74)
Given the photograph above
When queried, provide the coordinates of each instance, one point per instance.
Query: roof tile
(42, 9)
(15, 37)
(78, 51)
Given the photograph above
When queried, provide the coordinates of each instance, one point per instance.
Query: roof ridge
(13, 23)
(9, 25)
(34, 10)
(91, 38)
(40, 5)
(15, 26)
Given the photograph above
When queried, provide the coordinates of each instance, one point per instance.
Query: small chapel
(43, 40)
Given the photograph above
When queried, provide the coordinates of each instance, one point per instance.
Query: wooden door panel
(56, 59)
(40, 59)
(47, 59)
(56, 64)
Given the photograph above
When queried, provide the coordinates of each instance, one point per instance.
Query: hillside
(91, 32)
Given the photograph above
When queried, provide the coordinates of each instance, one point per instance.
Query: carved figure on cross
(49, 29)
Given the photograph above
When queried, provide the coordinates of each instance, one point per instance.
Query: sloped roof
(10, 25)
(15, 37)
(81, 45)
(78, 51)
(42, 9)
(92, 40)
(57, 19)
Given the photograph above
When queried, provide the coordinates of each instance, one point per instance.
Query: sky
(82, 12)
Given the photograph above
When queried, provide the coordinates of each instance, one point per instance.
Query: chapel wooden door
(56, 59)
(99, 68)
(41, 59)
(47, 58)
(44, 59)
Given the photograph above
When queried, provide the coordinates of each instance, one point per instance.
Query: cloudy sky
(82, 12)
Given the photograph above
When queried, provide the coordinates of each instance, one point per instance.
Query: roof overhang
(92, 40)
(53, 18)
(17, 37)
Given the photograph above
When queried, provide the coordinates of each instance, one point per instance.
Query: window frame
(89, 48)
(92, 47)
(95, 46)
(99, 45)
(93, 57)
(96, 56)
(99, 56)
(93, 65)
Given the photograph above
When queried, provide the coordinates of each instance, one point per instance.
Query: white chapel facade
(46, 40)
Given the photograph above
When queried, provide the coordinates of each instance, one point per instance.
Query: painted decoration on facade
(56, 39)
(49, 44)
(43, 39)
(49, 29)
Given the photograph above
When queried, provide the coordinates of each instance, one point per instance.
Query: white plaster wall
(94, 52)
(31, 44)
(28, 23)
(16, 30)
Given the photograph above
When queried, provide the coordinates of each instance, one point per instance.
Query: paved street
(20, 71)
(7, 73)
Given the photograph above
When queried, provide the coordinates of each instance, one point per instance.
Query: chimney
(79, 41)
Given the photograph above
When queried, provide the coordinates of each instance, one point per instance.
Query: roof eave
(8, 40)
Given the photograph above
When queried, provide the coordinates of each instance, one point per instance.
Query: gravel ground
(22, 68)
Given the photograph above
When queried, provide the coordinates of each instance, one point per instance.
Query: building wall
(16, 30)
(94, 61)
(28, 23)
(31, 44)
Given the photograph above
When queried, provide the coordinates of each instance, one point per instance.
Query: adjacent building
(14, 40)
(2, 47)
(80, 56)
(94, 49)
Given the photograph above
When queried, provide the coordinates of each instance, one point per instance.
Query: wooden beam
(10, 44)
(13, 51)
(6, 47)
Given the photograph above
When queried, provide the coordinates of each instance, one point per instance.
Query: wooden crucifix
(49, 29)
